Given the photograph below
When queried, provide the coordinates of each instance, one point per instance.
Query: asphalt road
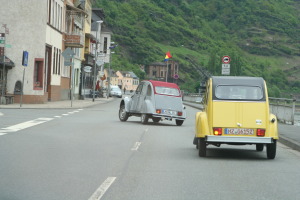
(89, 154)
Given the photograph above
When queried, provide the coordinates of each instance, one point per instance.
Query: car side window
(139, 89)
(144, 89)
(149, 91)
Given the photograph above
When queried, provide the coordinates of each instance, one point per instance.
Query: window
(105, 45)
(237, 92)
(54, 55)
(38, 73)
(167, 91)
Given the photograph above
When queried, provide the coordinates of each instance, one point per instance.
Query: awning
(9, 64)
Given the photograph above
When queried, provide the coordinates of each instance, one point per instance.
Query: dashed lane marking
(136, 146)
(98, 194)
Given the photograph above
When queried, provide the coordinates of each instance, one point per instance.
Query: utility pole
(96, 55)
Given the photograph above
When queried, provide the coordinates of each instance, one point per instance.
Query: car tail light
(179, 113)
(158, 111)
(217, 131)
(260, 132)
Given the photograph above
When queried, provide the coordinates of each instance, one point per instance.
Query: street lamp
(96, 49)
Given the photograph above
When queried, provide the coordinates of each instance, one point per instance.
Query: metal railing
(283, 108)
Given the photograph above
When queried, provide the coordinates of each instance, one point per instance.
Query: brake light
(158, 111)
(260, 132)
(217, 131)
(179, 113)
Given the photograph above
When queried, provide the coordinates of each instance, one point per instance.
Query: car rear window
(167, 91)
(238, 92)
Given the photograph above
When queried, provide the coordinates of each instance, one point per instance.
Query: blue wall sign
(25, 58)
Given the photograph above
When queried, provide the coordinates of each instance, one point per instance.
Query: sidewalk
(289, 135)
(60, 104)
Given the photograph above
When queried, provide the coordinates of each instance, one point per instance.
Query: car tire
(144, 118)
(179, 122)
(156, 119)
(195, 142)
(123, 115)
(259, 147)
(271, 150)
(202, 147)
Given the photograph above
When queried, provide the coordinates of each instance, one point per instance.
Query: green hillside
(262, 37)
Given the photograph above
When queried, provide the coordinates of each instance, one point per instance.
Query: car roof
(163, 84)
(238, 80)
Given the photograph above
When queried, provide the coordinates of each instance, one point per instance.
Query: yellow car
(236, 111)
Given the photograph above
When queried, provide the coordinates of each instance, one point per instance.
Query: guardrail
(192, 97)
(283, 108)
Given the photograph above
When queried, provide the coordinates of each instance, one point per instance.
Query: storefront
(4, 67)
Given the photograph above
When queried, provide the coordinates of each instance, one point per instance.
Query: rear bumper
(169, 116)
(238, 140)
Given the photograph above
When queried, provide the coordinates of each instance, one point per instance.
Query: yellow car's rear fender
(273, 129)
(202, 127)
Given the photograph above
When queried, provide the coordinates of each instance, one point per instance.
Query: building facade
(159, 71)
(48, 76)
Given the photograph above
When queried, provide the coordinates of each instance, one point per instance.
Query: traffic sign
(225, 69)
(176, 76)
(68, 53)
(2, 38)
(25, 59)
(87, 69)
(99, 62)
(225, 59)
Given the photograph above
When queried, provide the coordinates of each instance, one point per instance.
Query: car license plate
(168, 112)
(239, 131)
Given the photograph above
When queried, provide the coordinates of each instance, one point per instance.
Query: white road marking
(1, 114)
(103, 188)
(136, 146)
(23, 125)
(65, 114)
(58, 116)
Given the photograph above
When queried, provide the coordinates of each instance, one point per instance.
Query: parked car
(115, 91)
(156, 100)
(236, 111)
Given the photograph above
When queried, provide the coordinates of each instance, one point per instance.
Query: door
(135, 98)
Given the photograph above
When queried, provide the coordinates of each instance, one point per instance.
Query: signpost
(225, 65)
(2, 44)
(68, 54)
(25, 64)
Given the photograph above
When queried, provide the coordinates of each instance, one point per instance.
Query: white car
(115, 91)
(156, 100)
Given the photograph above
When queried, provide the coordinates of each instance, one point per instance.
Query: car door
(141, 108)
(136, 98)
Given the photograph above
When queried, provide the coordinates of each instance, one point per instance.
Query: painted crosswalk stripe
(23, 125)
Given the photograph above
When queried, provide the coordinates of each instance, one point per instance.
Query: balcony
(74, 40)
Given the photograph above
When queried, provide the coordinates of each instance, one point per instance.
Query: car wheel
(195, 142)
(259, 147)
(179, 122)
(144, 118)
(202, 147)
(123, 115)
(156, 119)
(271, 150)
